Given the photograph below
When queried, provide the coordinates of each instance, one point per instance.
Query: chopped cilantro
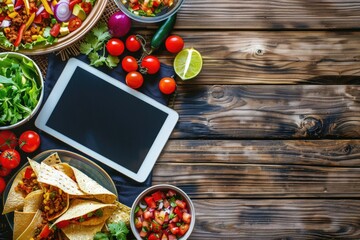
(117, 231)
(94, 42)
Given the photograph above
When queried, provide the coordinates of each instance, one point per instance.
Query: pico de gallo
(28, 23)
(54, 201)
(162, 216)
(148, 8)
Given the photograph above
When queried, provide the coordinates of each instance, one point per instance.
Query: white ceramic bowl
(40, 82)
(164, 188)
(163, 15)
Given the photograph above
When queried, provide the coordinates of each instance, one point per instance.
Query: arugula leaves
(94, 42)
(117, 231)
(19, 90)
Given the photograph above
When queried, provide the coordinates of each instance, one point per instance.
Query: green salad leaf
(19, 91)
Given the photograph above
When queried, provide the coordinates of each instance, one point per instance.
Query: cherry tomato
(2, 184)
(7, 140)
(115, 47)
(55, 30)
(134, 79)
(174, 44)
(167, 85)
(10, 158)
(29, 141)
(86, 6)
(129, 64)
(4, 171)
(132, 43)
(151, 63)
(74, 24)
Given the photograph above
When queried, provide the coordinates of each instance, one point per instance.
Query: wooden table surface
(268, 140)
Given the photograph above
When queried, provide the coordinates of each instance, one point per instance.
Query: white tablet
(107, 120)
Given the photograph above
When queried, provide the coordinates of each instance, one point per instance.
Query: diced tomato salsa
(162, 216)
(148, 8)
(28, 183)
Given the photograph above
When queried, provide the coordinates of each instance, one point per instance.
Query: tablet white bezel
(157, 145)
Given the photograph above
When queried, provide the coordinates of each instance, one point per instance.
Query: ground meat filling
(55, 201)
(28, 183)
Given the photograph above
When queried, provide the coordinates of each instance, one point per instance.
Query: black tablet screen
(106, 119)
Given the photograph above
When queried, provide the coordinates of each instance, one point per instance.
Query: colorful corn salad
(148, 8)
(28, 23)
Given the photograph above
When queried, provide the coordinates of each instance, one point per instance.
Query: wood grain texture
(261, 169)
(269, 14)
(277, 219)
(268, 111)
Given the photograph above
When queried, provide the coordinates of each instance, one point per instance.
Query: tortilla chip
(65, 168)
(52, 159)
(21, 222)
(51, 176)
(35, 166)
(30, 230)
(81, 232)
(33, 201)
(91, 187)
(80, 207)
(121, 214)
(15, 199)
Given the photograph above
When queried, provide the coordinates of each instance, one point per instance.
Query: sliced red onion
(161, 205)
(142, 205)
(41, 8)
(5, 23)
(62, 11)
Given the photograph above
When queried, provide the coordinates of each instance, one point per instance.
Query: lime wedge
(188, 63)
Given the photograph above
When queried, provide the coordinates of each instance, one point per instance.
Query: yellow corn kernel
(6, 30)
(47, 208)
(34, 37)
(13, 14)
(54, 2)
(60, 191)
(8, 1)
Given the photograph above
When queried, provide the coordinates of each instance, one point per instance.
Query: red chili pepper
(20, 34)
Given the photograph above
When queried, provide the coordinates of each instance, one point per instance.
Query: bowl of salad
(21, 89)
(35, 27)
(162, 212)
(149, 11)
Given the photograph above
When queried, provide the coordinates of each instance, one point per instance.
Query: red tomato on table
(134, 79)
(10, 158)
(7, 140)
(115, 47)
(132, 43)
(151, 63)
(174, 44)
(167, 85)
(129, 64)
(29, 141)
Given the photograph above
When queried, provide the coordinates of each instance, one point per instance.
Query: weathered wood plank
(261, 169)
(276, 219)
(226, 180)
(336, 153)
(268, 111)
(269, 14)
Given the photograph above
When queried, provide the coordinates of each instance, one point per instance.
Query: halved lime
(188, 63)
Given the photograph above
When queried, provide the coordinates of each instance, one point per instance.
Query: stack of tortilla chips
(55, 194)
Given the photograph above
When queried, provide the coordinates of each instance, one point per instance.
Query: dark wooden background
(267, 144)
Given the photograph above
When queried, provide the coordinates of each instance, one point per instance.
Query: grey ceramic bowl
(163, 15)
(165, 188)
(40, 82)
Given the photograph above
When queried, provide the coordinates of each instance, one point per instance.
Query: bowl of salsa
(149, 11)
(162, 212)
